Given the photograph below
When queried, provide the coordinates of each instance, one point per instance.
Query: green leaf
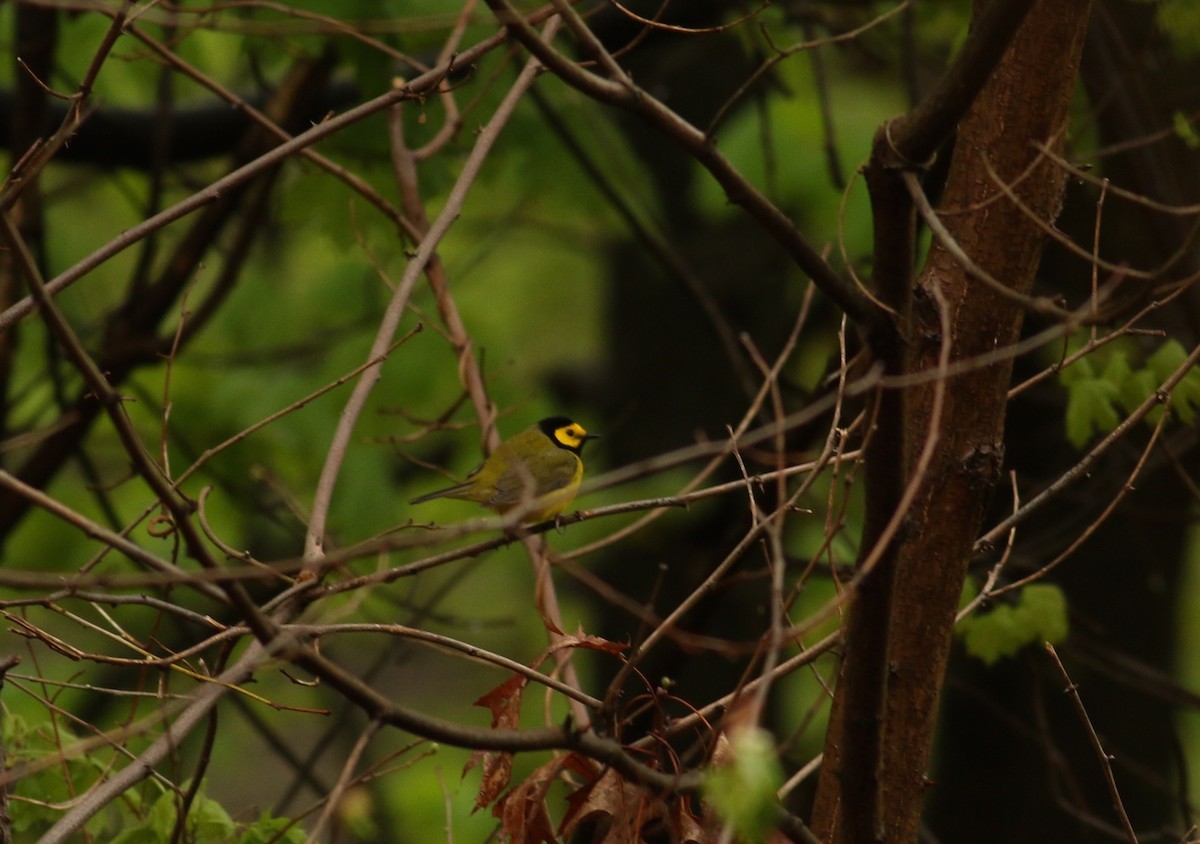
(1044, 607)
(993, 635)
(1090, 407)
(1185, 130)
(163, 814)
(268, 829)
(1137, 388)
(1117, 369)
(209, 822)
(157, 826)
(1039, 615)
(1185, 398)
(140, 835)
(1080, 370)
(1092, 395)
(743, 790)
(1169, 357)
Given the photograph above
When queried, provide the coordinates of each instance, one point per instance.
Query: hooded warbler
(537, 470)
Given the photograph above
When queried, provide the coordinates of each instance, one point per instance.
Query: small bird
(538, 470)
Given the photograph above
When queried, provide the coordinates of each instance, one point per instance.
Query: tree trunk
(1024, 104)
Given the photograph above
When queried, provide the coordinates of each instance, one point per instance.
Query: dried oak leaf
(611, 810)
(588, 642)
(522, 811)
(505, 703)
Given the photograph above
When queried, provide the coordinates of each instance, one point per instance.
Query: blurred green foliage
(530, 262)
(147, 814)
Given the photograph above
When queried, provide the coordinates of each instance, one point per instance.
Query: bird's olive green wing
(534, 476)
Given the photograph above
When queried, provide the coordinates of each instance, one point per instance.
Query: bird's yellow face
(565, 433)
(571, 436)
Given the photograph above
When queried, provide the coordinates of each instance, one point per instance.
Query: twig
(6, 665)
(687, 30)
(735, 435)
(206, 622)
(452, 122)
(985, 592)
(184, 805)
(1095, 273)
(1104, 758)
(343, 780)
(471, 651)
(228, 550)
(1117, 190)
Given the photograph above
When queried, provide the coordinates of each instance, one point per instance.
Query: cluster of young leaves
(142, 816)
(1104, 385)
(1039, 614)
(207, 823)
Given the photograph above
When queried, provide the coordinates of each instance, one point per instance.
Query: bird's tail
(448, 492)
